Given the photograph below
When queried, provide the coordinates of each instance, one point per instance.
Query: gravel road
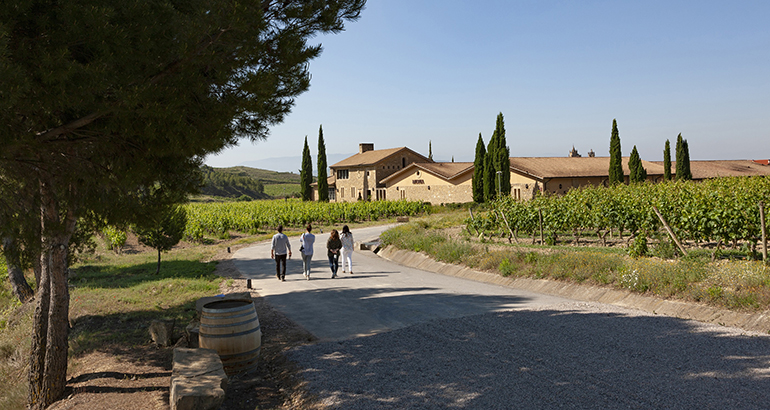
(570, 355)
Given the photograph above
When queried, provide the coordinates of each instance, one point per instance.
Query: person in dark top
(333, 246)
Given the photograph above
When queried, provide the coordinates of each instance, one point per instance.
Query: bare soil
(139, 378)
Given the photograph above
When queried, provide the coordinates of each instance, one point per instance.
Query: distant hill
(239, 182)
(292, 164)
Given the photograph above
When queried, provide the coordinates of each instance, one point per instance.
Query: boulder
(162, 331)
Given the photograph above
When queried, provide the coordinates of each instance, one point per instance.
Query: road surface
(393, 337)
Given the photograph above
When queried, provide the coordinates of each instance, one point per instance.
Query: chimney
(365, 146)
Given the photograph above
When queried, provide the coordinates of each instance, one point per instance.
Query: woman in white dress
(347, 249)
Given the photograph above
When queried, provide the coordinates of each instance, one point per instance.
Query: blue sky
(410, 72)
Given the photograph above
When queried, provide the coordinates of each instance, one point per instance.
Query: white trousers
(347, 257)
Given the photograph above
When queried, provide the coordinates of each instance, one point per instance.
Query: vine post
(670, 232)
(764, 230)
(540, 215)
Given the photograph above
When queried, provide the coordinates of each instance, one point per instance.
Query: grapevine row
(250, 217)
(723, 209)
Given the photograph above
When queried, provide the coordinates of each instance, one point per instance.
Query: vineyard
(250, 217)
(723, 210)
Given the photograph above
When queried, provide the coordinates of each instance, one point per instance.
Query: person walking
(333, 246)
(278, 250)
(306, 242)
(347, 248)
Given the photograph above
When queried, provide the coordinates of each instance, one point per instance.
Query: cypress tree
(686, 161)
(667, 162)
(323, 184)
(503, 162)
(680, 174)
(489, 169)
(430, 150)
(306, 174)
(637, 171)
(616, 157)
(478, 172)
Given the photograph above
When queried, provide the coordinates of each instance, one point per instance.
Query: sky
(413, 73)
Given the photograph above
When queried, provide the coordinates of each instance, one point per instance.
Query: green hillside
(245, 182)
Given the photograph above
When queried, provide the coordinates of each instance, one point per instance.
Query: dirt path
(139, 378)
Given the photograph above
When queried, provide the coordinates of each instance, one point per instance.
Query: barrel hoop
(256, 329)
(230, 356)
(251, 312)
(229, 324)
(249, 305)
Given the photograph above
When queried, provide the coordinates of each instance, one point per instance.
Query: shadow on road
(542, 359)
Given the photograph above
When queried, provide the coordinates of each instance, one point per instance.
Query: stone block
(193, 333)
(198, 380)
(162, 331)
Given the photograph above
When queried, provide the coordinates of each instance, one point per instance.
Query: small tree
(323, 184)
(667, 162)
(164, 231)
(430, 150)
(306, 174)
(478, 172)
(616, 159)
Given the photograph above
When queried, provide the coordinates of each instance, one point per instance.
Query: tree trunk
(48, 361)
(157, 270)
(19, 285)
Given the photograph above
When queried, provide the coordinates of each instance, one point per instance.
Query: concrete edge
(757, 322)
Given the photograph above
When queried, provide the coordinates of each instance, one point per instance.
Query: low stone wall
(758, 322)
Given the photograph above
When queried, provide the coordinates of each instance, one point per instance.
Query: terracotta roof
(565, 167)
(444, 170)
(372, 157)
(704, 169)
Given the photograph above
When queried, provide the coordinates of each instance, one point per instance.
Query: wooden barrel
(231, 327)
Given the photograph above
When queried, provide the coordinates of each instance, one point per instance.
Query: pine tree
(478, 172)
(637, 171)
(323, 184)
(686, 161)
(667, 162)
(306, 174)
(680, 173)
(616, 157)
(503, 162)
(430, 150)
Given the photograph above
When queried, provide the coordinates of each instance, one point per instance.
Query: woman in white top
(306, 242)
(347, 248)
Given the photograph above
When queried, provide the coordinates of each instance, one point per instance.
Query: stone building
(359, 177)
(437, 182)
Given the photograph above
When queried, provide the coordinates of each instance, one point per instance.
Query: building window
(343, 174)
(353, 192)
(418, 173)
(332, 194)
(403, 194)
(559, 186)
(403, 162)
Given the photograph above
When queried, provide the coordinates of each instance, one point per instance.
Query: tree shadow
(543, 359)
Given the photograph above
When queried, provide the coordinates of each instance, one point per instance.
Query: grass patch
(732, 284)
